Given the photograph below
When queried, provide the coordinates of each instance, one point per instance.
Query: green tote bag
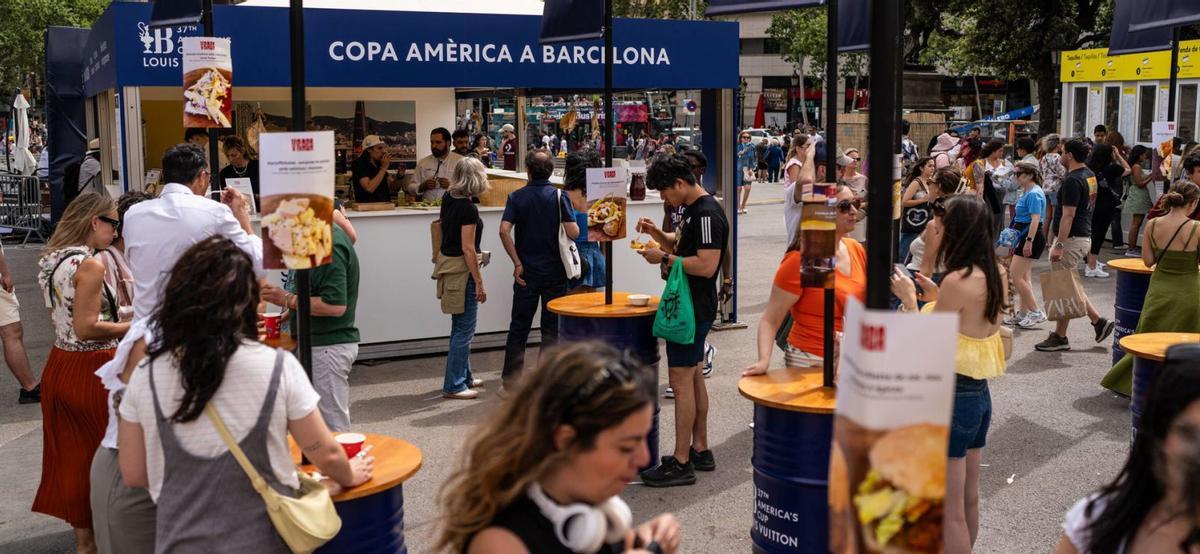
(675, 320)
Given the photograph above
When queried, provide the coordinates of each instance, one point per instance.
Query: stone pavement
(1055, 432)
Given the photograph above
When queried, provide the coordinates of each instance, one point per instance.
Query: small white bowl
(639, 299)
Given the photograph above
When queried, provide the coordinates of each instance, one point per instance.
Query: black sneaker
(30, 396)
(1053, 343)
(670, 473)
(703, 461)
(1103, 328)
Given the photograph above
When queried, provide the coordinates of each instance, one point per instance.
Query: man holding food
(371, 180)
(432, 176)
(698, 244)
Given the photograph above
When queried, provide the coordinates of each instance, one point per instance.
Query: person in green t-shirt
(334, 290)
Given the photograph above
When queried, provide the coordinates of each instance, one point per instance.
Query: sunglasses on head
(844, 205)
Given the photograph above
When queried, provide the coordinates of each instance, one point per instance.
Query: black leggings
(1102, 216)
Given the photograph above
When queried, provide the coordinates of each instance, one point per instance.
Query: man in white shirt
(157, 232)
(432, 177)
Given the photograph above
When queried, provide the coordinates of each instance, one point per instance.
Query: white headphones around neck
(584, 528)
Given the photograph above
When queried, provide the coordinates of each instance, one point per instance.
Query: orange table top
(592, 305)
(1153, 346)
(395, 462)
(285, 341)
(792, 389)
(1132, 265)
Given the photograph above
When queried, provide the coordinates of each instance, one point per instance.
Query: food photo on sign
(607, 204)
(207, 83)
(297, 184)
(887, 469)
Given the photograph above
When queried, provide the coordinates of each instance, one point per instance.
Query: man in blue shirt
(535, 210)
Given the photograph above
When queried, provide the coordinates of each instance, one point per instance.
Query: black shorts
(688, 355)
(1039, 245)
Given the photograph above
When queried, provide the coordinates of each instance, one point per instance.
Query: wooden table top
(285, 341)
(792, 389)
(1153, 346)
(395, 462)
(1132, 265)
(592, 305)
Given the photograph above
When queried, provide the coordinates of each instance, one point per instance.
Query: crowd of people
(156, 303)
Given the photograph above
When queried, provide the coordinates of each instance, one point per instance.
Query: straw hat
(371, 141)
(93, 145)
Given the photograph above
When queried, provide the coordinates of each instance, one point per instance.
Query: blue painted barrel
(1144, 372)
(624, 333)
(1131, 294)
(373, 523)
(791, 481)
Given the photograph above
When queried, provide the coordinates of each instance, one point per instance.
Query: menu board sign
(607, 205)
(296, 182)
(887, 471)
(207, 83)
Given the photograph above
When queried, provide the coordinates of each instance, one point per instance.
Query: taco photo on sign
(606, 218)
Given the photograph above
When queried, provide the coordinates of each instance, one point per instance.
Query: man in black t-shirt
(1072, 229)
(370, 178)
(699, 244)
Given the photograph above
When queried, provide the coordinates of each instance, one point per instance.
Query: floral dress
(57, 279)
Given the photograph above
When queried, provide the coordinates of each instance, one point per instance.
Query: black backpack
(70, 186)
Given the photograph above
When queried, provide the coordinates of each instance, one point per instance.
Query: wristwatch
(666, 262)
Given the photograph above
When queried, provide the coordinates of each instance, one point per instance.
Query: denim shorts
(972, 415)
(688, 355)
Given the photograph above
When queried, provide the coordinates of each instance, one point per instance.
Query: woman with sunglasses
(542, 474)
(1031, 211)
(805, 342)
(975, 289)
(1153, 504)
(83, 313)
(747, 163)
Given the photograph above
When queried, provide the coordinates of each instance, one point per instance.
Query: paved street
(1055, 433)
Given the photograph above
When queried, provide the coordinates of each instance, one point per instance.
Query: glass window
(1112, 108)
(1147, 94)
(770, 46)
(1079, 112)
(1187, 111)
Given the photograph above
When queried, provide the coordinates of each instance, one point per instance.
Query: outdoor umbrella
(23, 161)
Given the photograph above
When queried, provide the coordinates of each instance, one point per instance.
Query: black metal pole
(608, 134)
(880, 135)
(899, 145)
(832, 105)
(1174, 74)
(303, 306)
(214, 155)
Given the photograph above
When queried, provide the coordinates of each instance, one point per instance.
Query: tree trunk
(1047, 80)
(803, 98)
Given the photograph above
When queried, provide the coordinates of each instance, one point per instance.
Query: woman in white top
(1153, 505)
(205, 353)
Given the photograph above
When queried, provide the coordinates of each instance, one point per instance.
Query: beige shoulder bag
(305, 522)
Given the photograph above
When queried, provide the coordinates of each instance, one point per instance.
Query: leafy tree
(659, 9)
(23, 26)
(802, 38)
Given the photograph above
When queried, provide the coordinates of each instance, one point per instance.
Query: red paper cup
(272, 320)
(352, 443)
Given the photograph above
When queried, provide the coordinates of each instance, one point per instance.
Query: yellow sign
(1094, 65)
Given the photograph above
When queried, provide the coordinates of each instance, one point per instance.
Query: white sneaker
(1032, 319)
(468, 394)
(669, 393)
(709, 352)
(1095, 273)
(1015, 318)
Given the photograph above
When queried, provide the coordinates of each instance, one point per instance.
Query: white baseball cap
(372, 141)
(507, 128)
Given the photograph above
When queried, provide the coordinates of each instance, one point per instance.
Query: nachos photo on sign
(207, 83)
(606, 219)
(296, 187)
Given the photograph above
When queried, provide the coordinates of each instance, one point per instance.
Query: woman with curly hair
(542, 474)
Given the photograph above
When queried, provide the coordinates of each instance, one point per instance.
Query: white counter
(398, 311)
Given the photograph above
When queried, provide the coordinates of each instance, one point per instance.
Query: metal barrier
(21, 205)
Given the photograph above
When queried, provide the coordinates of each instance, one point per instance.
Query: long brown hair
(967, 244)
(587, 385)
(75, 225)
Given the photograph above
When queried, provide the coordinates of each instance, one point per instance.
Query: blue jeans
(462, 332)
(525, 304)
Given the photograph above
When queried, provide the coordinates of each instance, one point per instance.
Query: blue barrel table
(1149, 350)
(620, 324)
(793, 433)
(1133, 280)
(373, 512)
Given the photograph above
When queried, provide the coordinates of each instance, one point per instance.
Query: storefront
(1128, 92)
(395, 74)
